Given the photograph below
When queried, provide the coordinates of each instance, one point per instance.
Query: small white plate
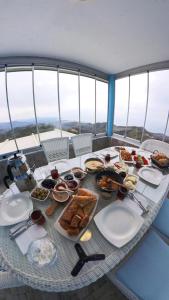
(63, 232)
(15, 209)
(150, 175)
(118, 223)
(126, 161)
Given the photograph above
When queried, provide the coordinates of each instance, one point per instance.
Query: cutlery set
(20, 228)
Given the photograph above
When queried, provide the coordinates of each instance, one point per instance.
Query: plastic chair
(145, 274)
(82, 143)
(55, 149)
(151, 145)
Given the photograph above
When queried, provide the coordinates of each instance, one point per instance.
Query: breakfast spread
(78, 173)
(40, 194)
(48, 183)
(125, 155)
(106, 182)
(61, 196)
(161, 159)
(77, 214)
(140, 159)
(94, 164)
(130, 182)
(120, 167)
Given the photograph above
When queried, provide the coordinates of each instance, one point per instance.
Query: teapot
(19, 172)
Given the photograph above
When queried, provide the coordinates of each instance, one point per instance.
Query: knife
(21, 230)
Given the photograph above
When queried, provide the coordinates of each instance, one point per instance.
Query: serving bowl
(112, 175)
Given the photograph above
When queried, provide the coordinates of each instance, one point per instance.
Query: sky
(46, 95)
(158, 101)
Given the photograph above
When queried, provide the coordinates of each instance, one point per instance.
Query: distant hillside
(27, 127)
(136, 133)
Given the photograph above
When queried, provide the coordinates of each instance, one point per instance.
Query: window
(148, 105)
(7, 144)
(21, 108)
(101, 106)
(46, 99)
(87, 104)
(121, 105)
(158, 104)
(138, 100)
(47, 103)
(69, 102)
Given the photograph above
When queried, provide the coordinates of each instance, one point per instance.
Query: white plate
(126, 161)
(118, 223)
(64, 232)
(150, 175)
(15, 209)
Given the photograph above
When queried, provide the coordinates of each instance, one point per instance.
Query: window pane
(69, 102)
(87, 104)
(21, 108)
(46, 98)
(101, 106)
(121, 105)
(7, 143)
(158, 104)
(138, 99)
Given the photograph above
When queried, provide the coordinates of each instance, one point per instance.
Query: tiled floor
(102, 289)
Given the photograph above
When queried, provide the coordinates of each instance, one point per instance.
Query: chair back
(82, 143)
(151, 145)
(57, 148)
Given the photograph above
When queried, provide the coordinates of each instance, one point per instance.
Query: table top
(58, 277)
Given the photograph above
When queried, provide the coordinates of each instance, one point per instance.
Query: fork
(21, 229)
(133, 198)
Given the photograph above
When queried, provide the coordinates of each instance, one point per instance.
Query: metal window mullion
(95, 107)
(164, 135)
(34, 104)
(9, 113)
(128, 110)
(58, 90)
(142, 136)
(79, 102)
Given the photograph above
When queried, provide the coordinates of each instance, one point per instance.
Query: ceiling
(109, 35)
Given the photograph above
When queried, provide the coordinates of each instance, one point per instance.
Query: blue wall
(111, 105)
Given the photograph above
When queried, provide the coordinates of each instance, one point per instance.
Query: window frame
(59, 69)
(138, 71)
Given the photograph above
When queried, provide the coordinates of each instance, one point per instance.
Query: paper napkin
(27, 237)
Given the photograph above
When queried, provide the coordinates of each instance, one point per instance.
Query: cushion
(146, 272)
(161, 222)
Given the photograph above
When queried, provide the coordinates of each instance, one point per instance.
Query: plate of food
(40, 194)
(130, 182)
(77, 214)
(161, 160)
(120, 167)
(108, 180)
(141, 160)
(126, 156)
(94, 164)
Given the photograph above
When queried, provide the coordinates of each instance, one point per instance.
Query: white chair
(82, 143)
(55, 149)
(151, 145)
